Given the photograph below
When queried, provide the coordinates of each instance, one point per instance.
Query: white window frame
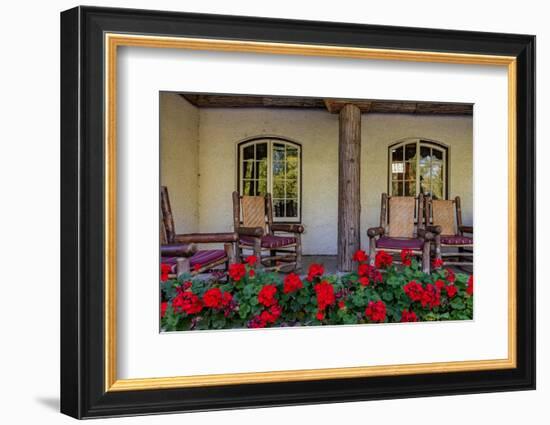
(270, 142)
(419, 143)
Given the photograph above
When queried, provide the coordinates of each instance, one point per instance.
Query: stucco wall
(317, 131)
(179, 159)
(220, 130)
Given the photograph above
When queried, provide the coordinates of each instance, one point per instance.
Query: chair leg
(437, 247)
(298, 252)
(182, 266)
(258, 249)
(426, 257)
(372, 251)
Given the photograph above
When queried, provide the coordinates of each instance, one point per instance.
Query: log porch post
(349, 188)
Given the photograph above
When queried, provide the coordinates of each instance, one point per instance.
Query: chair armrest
(375, 231)
(426, 234)
(207, 237)
(290, 228)
(434, 229)
(251, 231)
(178, 250)
(466, 229)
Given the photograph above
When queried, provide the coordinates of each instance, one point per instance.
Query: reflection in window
(418, 166)
(272, 166)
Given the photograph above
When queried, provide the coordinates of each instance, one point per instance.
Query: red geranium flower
(320, 315)
(226, 299)
(292, 283)
(414, 290)
(325, 294)
(187, 285)
(237, 271)
(408, 316)
(163, 307)
(364, 280)
(212, 298)
(450, 275)
(251, 273)
(451, 291)
(341, 304)
(439, 284)
(251, 260)
(430, 296)
(197, 267)
(266, 296)
(406, 257)
(363, 269)
(470, 287)
(376, 311)
(360, 256)
(164, 271)
(437, 263)
(315, 270)
(257, 322)
(272, 314)
(383, 260)
(187, 302)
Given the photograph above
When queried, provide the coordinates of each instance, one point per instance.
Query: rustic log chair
(452, 243)
(397, 230)
(253, 222)
(180, 251)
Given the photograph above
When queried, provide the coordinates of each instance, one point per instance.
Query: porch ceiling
(331, 105)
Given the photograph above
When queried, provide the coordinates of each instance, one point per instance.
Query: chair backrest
(252, 211)
(167, 225)
(397, 215)
(445, 213)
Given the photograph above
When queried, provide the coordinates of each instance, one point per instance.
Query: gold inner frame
(113, 41)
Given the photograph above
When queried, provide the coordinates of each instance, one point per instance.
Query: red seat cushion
(400, 243)
(456, 240)
(207, 256)
(270, 241)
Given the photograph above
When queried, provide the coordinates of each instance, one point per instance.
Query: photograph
(303, 211)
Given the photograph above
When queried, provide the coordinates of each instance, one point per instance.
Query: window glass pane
(410, 188)
(410, 151)
(249, 188)
(291, 168)
(261, 169)
(291, 153)
(261, 187)
(291, 189)
(248, 152)
(248, 168)
(291, 208)
(279, 207)
(437, 154)
(278, 188)
(278, 152)
(397, 154)
(437, 179)
(424, 152)
(398, 170)
(410, 170)
(261, 151)
(278, 169)
(397, 188)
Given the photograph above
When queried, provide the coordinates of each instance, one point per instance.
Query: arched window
(418, 166)
(272, 165)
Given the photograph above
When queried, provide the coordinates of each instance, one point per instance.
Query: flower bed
(250, 298)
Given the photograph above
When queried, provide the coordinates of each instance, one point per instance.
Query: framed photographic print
(261, 212)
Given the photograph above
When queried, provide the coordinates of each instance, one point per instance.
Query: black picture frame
(83, 392)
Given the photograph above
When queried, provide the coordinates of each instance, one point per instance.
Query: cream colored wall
(381, 130)
(317, 131)
(218, 131)
(179, 159)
